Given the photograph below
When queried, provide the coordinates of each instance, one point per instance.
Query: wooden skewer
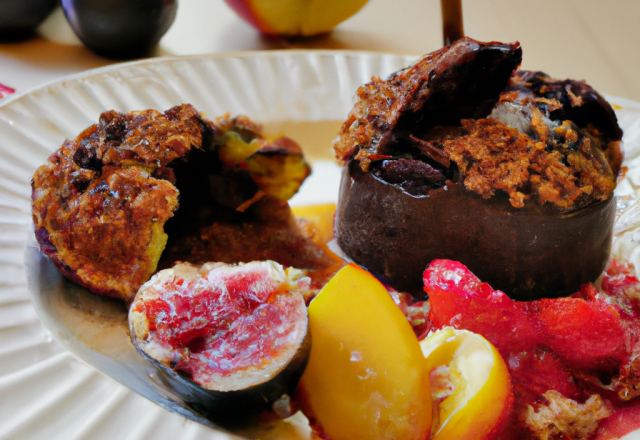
(452, 28)
(431, 151)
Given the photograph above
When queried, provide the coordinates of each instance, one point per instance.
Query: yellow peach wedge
(321, 216)
(366, 378)
(470, 385)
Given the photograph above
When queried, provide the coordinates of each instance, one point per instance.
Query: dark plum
(120, 29)
(18, 18)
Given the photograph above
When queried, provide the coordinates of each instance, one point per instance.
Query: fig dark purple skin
(235, 409)
(18, 18)
(237, 337)
(528, 253)
(120, 29)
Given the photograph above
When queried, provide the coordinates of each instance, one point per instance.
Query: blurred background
(593, 40)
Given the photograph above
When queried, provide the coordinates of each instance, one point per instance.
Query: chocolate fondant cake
(461, 156)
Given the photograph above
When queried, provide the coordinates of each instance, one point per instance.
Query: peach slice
(470, 385)
(366, 378)
(321, 216)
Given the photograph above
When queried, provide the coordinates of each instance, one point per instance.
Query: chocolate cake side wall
(528, 253)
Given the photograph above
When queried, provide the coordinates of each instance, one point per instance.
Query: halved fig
(240, 332)
(462, 157)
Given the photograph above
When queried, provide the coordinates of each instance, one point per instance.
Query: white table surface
(594, 40)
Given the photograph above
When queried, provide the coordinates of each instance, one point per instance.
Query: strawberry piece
(544, 341)
(535, 372)
(586, 343)
(460, 300)
(584, 333)
(619, 281)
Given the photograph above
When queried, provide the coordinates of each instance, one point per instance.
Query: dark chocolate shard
(431, 151)
(460, 81)
(413, 176)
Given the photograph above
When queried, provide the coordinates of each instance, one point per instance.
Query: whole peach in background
(295, 17)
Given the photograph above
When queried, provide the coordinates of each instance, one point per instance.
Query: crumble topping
(562, 418)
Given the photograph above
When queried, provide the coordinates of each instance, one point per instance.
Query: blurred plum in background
(120, 29)
(19, 18)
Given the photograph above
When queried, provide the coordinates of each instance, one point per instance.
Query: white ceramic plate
(45, 392)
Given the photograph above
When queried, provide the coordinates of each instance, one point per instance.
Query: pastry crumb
(563, 418)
